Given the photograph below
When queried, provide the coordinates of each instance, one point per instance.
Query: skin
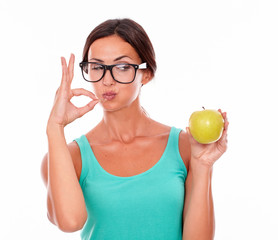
(125, 131)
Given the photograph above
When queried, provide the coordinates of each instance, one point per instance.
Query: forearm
(66, 203)
(199, 217)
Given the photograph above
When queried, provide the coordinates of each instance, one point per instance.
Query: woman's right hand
(63, 111)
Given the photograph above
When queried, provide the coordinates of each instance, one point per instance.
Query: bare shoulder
(184, 146)
(76, 160)
(156, 128)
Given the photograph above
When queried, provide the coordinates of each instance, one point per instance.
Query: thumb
(90, 106)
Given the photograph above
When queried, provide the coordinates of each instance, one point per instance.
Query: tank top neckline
(171, 132)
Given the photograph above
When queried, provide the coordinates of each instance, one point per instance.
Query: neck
(127, 123)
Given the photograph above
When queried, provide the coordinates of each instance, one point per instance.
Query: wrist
(199, 167)
(54, 128)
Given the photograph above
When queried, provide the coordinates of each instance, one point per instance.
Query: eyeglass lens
(121, 72)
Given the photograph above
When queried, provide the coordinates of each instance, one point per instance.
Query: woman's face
(114, 50)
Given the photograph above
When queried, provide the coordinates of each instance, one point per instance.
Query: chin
(110, 106)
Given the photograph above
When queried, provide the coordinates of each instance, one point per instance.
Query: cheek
(130, 92)
(136, 86)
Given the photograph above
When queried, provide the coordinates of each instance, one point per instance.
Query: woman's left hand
(207, 154)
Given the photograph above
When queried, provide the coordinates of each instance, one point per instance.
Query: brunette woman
(129, 177)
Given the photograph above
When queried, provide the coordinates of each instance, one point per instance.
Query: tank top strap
(86, 156)
(173, 140)
(173, 151)
(174, 137)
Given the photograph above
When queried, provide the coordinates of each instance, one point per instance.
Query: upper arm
(184, 146)
(76, 160)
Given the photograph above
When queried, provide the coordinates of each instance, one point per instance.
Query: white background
(217, 54)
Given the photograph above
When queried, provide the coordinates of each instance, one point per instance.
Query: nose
(107, 78)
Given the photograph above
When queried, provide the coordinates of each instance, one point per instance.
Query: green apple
(206, 126)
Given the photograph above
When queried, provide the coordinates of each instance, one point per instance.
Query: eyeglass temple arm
(142, 66)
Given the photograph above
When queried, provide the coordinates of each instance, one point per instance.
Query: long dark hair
(131, 32)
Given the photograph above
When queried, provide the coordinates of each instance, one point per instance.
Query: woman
(127, 177)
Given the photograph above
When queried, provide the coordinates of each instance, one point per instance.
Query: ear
(147, 77)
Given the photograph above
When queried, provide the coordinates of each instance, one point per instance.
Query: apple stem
(203, 108)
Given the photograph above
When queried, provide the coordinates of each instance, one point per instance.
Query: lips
(109, 95)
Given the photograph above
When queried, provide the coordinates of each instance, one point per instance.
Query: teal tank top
(147, 206)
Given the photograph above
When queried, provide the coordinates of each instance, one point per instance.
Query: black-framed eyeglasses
(122, 73)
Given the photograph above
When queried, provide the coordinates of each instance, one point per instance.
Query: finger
(64, 73)
(90, 106)
(223, 143)
(222, 113)
(84, 92)
(225, 131)
(226, 125)
(71, 67)
(226, 122)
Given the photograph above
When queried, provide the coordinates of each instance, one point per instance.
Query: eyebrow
(119, 58)
(96, 59)
(116, 59)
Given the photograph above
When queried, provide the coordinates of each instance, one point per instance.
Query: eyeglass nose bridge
(108, 67)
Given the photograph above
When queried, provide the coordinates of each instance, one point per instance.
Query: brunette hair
(131, 32)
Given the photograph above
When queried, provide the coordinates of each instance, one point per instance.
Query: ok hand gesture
(63, 111)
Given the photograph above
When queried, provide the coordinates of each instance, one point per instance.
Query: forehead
(111, 47)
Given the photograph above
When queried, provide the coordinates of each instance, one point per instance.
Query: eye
(85, 68)
(123, 67)
(96, 67)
